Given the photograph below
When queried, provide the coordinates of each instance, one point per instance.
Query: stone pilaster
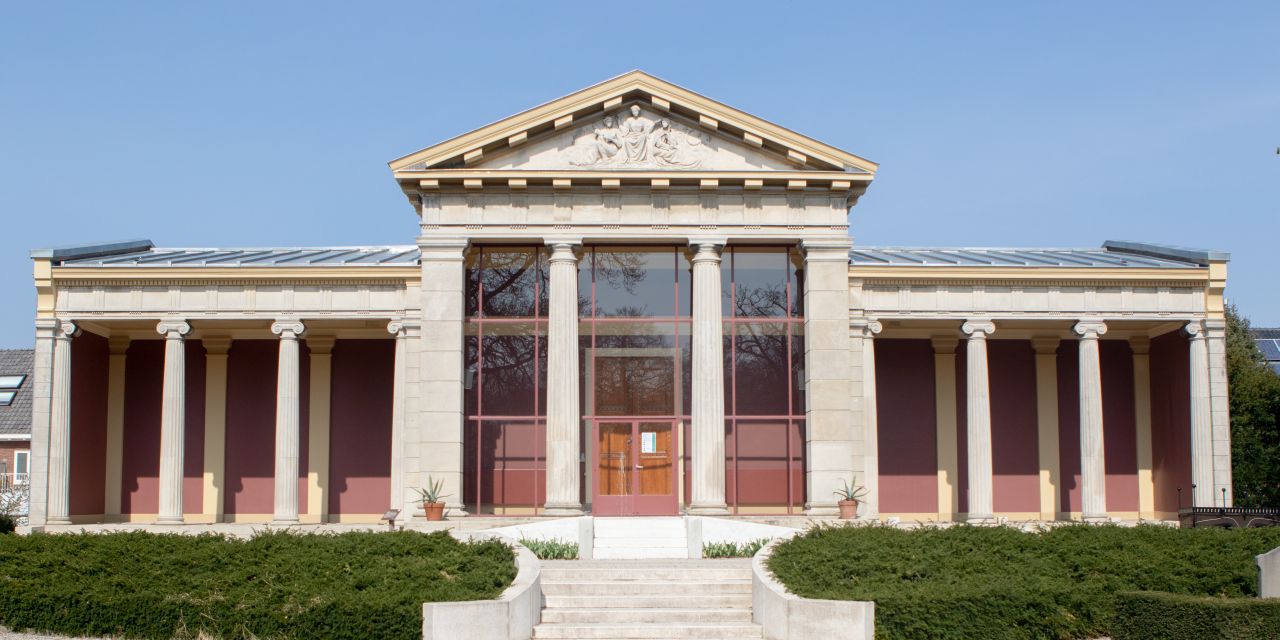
(564, 422)
(215, 426)
(978, 388)
(173, 419)
(1093, 470)
(288, 399)
(438, 447)
(1141, 347)
(41, 398)
(945, 402)
(318, 423)
(707, 446)
(835, 445)
(118, 347)
(60, 426)
(1219, 410)
(865, 331)
(1048, 450)
(1201, 419)
(396, 499)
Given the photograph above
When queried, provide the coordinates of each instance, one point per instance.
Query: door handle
(639, 466)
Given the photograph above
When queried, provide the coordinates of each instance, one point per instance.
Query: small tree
(1255, 418)
(13, 504)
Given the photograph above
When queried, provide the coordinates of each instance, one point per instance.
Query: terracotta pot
(435, 510)
(848, 509)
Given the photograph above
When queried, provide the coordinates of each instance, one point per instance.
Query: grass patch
(275, 585)
(999, 582)
(733, 549)
(551, 549)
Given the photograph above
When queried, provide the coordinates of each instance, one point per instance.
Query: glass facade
(635, 366)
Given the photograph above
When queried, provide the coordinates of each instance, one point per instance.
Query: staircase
(655, 598)
(637, 538)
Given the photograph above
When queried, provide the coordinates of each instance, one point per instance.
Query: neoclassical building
(630, 300)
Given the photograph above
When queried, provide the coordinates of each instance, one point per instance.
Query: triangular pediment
(634, 122)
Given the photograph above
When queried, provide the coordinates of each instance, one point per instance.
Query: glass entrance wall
(504, 381)
(764, 376)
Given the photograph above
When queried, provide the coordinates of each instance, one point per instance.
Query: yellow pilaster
(215, 427)
(1141, 346)
(1047, 426)
(321, 348)
(944, 376)
(117, 345)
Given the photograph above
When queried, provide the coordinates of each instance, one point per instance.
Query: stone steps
(665, 598)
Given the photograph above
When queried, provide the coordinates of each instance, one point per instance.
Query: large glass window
(504, 380)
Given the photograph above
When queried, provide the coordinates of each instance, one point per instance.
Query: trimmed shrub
(275, 585)
(1000, 582)
(8, 524)
(551, 549)
(1151, 615)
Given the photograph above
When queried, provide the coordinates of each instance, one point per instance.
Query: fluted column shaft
(60, 426)
(707, 440)
(287, 419)
(1093, 470)
(173, 407)
(1201, 419)
(564, 422)
(978, 387)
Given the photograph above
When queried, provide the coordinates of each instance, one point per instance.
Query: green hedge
(1152, 615)
(275, 585)
(999, 582)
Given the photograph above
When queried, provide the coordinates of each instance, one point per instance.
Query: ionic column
(1141, 347)
(399, 368)
(981, 507)
(173, 407)
(1093, 470)
(287, 418)
(564, 422)
(1201, 419)
(118, 347)
(60, 426)
(707, 441)
(1046, 349)
(871, 469)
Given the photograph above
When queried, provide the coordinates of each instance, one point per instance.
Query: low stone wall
(786, 616)
(510, 617)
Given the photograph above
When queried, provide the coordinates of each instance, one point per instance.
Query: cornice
(1005, 276)
(90, 276)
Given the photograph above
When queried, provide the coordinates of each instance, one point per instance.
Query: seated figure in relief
(672, 148)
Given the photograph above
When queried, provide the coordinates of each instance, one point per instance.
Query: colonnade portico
(977, 333)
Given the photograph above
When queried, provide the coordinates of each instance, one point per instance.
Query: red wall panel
(907, 423)
(1119, 425)
(251, 426)
(1171, 420)
(140, 464)
(360, 426)
(89, 356)
(1015, 451)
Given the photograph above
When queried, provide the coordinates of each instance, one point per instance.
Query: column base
(708, 510)
(1095, 518)
(285, 522)
(980, 518)
(170, 521)
(453, 511)
(57, 521)
(562, 509)
(821, 510)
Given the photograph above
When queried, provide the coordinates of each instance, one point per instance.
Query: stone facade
(634, 161)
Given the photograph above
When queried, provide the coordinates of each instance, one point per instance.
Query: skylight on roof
(11, 382)
(6, 398)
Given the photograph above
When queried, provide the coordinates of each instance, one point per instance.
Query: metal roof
(15, 419)
(1014, 257)
(391, 255)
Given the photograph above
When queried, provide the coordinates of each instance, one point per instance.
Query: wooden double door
(635, 470)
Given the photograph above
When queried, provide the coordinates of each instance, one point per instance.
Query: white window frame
(21, 477)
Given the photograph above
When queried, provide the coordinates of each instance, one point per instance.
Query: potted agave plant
(849, 496)
(432, 499)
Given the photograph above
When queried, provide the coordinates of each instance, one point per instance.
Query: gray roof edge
(93, 250)
(1168, 252)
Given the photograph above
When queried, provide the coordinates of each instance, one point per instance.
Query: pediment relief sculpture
(638, 142)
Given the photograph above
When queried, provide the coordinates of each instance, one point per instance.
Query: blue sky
(996, 124)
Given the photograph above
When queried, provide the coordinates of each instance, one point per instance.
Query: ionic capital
(173, 329)
(65, 330)
(1090, 329)
(396, 328)
(564, 250)
(1194, 330)
(865, 327)
(288, 329)
(978, 329)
